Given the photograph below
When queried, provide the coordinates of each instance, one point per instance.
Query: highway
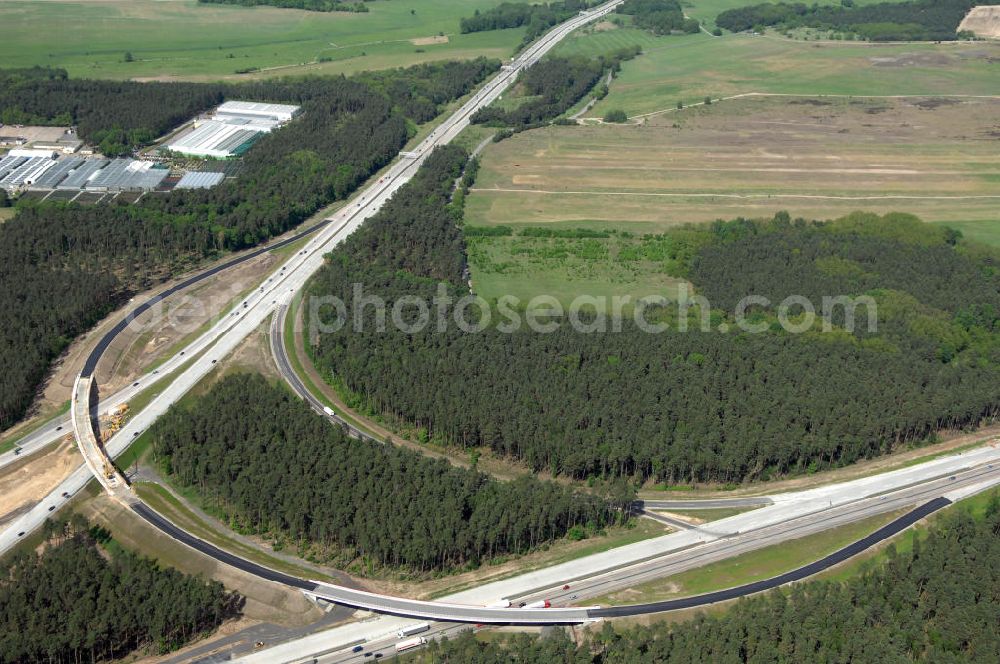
(678, 552)
(58, 427)
(280, 355)
(231, 329)
(788, 516)
(920, 490)
(705, 504)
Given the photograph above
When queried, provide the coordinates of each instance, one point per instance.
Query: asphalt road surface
(61, 426)
(231, 329)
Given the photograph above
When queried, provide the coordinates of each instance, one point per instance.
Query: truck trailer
(415, 642)
(413, 629)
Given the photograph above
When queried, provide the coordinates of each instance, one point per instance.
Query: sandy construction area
(982, 21)
(22, 486)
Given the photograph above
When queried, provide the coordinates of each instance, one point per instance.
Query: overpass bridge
(82, 409)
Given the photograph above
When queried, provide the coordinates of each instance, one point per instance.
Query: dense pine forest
(886, 21)
(271, 466)
(65, 265)
(661, 17)
(690, 406)
(939, 602)
(77, 602)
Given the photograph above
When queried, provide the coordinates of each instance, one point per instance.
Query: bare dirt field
(21, 486)
(32, 133)
(815, 157)
(427, 41)
(982, 21)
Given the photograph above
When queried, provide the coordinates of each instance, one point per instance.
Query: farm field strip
(192, 41)
(816, 157)
(688, 68)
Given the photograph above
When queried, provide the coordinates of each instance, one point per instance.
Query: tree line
(552, 86)
(120, 116)
(916, 20)
(661, 17)
(537, 17)
(309, 5)
(939, 602)
(682, 406)
(65, 265)
(271, 466)
(85, 598)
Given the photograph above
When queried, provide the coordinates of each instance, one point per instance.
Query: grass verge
(749, 567)
(167, 504)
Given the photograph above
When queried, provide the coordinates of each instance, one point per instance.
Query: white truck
(328, 410)
(413, 629)
(540, 604)
(500, 604)
(410, 643)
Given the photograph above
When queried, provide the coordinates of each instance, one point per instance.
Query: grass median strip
(748, 567)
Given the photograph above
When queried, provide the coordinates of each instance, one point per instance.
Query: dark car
(357, 648)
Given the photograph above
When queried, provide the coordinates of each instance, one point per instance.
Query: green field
(182, 39)
(564, 268)
(687, 68)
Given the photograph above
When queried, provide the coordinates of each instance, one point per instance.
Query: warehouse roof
(253, 108)
(57, 173)
(78, 178)
(200, 180)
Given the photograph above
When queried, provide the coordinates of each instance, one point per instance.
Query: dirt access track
(982, 21)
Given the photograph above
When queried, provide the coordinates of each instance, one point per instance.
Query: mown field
(182, 39)
(565, 268)
(817, 158)
(687, 68)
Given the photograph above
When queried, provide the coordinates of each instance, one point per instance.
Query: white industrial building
(215, 139)
(278, 113)
(232, 129)
(19, 172)
(33, 153)
(199, 180)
